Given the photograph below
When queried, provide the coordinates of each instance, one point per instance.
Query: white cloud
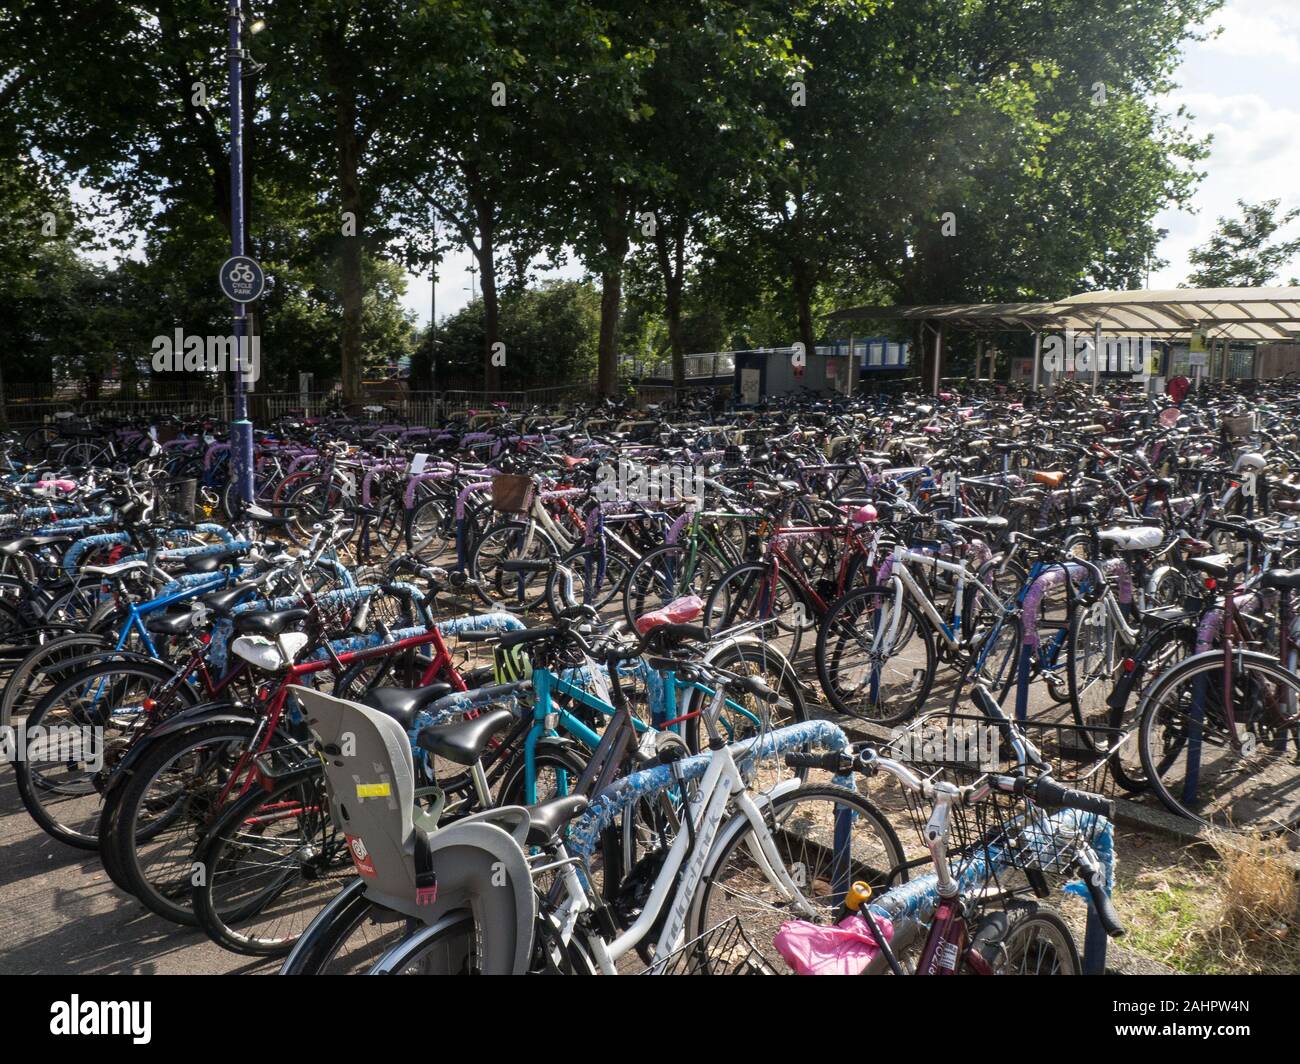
(1256, 29)
(1255, 156)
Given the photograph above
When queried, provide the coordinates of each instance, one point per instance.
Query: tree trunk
(803, 290)
(487, 272)
(348, 158)
(352, 289)
(616, 240)
(611, 294)
(671, 267)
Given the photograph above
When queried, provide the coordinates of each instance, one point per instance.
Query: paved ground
(61, 914)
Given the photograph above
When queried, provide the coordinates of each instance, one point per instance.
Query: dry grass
(1235, 912)
(1258, 915)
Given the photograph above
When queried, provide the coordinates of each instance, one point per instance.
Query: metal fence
(416, 408)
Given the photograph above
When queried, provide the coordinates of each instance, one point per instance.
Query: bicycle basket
(1008, 831)
(512, 493)
(1239, 426)
(724, 949)
(176, 497)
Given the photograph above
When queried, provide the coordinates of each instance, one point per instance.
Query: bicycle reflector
(1210, 583)
(510, 664)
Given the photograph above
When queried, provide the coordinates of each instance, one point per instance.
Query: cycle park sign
(242, 279)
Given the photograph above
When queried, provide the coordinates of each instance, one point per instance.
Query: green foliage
(549, 332)
(1243, 252)
(726, 173)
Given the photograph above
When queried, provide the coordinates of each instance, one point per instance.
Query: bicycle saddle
(403, 703)
(210, 563)
(269, 622)
(171, 622)
(1281, 579)
(984, 524)
(14, 546)
(1219, 566)
(547, 819)
(463, 741)
(1144, 537)
(224, 600)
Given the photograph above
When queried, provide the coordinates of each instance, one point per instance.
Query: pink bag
(64, 486)
(680, 611)
(843, 949)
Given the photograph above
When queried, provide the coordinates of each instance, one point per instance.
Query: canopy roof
(1262, 314)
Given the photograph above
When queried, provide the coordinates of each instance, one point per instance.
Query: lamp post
(241, 429)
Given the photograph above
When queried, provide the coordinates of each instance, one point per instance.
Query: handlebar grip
(757, 687)
(529, 635)
(673, 632)
(831, 762)
(1101, 902)
(477, 635)
(1050, 794)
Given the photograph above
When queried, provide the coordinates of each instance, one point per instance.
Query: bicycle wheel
(665, 574)
(1094, 663)
(270, 863)
(597, 580)
(556, 769)
(349, 936)
(826, 837)
(429, 531)
(996, 664)
(754, 716)
(517, 592)
(84, 723)
(1189, 755)
(861, 672)
(449, 948)
(755, 591)
(1159, 652)
(1026, 939)
(310, 503)
(40, 670)
(164, 809)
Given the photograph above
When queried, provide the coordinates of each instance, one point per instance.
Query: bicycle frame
(294, 673)
(688, 856)
(549, 720)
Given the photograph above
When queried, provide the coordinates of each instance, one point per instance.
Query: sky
(1239, 86)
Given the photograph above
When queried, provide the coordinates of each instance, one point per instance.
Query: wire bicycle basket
(512, 493)
(1007, 831)
(175, 497)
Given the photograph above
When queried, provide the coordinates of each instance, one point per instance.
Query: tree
(551, 330)
(1243, 252)
(471, 79)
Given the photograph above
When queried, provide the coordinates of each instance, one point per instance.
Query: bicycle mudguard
(1124, 685)
(408, 870)
(191, 716)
